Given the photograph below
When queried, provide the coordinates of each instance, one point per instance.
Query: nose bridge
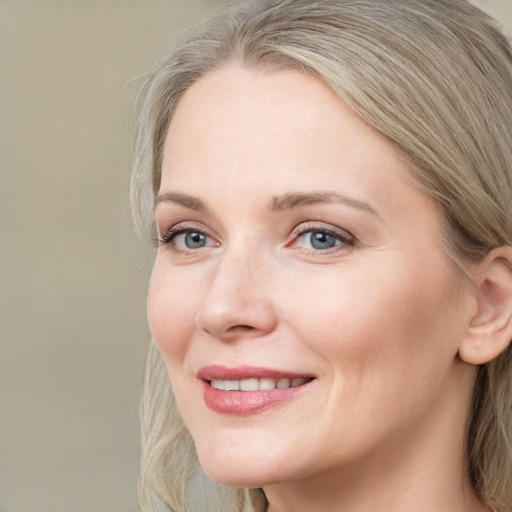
(238, 298)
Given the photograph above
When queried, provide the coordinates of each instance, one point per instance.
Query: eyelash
(167, 240)
(345, 240)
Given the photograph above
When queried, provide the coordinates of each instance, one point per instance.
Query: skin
(378, 318)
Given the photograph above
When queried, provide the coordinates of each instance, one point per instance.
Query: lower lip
(245, 403)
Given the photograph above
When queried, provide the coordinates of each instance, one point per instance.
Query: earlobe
(490, 329)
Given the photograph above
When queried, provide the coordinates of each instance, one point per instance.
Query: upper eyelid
(306, 227)
(166, 236)
(300, 229)
(345, 238)
(184, 226)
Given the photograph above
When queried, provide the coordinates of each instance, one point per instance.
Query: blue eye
(318, 239)
(191, 239)
(321, 240)
(186, 239)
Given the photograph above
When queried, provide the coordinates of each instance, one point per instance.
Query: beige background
(73, 278)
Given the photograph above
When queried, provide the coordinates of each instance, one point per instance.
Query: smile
(254, 384)
(245, 391)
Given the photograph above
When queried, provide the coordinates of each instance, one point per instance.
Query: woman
(330, 187)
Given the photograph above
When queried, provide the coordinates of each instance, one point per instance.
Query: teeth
(249, 385)
(283, 383)
(267, 384)
(217, 384)
(264, 384)
(231, 385)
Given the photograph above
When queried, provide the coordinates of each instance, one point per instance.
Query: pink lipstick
(248, 390)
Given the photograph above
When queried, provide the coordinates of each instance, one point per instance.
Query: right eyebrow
(298, 199)
(183, 199)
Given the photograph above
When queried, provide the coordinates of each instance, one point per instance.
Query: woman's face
(297, 263)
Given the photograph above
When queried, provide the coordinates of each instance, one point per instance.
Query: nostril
(241, 328)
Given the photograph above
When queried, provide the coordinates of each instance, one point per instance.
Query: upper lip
(220, 372)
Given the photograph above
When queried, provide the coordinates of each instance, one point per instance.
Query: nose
(238, 300)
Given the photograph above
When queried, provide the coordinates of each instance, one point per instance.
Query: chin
(239, 469)
(234, 476)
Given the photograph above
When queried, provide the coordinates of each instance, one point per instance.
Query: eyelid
(170, 234)
(345, 237)
(307, 227)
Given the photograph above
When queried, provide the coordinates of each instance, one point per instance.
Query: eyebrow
(185, 200)
(298, 199)
(277, 204)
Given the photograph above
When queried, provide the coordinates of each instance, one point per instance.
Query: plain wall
(73, 277)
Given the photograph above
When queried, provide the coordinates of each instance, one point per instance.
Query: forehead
(244, 119)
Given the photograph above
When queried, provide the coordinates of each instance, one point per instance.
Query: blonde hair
(432, 76)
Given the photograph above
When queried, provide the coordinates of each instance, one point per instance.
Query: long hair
(432, 76)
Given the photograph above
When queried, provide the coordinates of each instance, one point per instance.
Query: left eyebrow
(298, 199)
(191, 202)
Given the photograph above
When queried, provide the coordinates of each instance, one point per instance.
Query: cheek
(371, 320)
(387, 346)
(171, 310)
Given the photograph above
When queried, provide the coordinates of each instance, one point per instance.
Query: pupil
(194, 240)
(320, 240)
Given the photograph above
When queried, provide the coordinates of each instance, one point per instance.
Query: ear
(490, 329)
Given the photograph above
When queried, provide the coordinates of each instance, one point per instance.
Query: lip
(245, 403)
(216, 371)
